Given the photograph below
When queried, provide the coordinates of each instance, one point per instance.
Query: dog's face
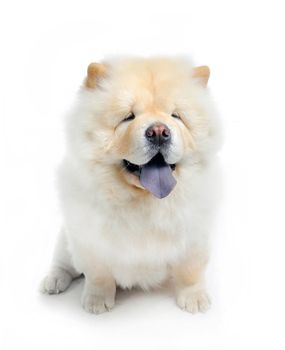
(146, 118)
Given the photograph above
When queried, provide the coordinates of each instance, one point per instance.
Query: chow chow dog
(138, 185)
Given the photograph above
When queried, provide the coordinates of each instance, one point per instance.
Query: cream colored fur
(115, 232)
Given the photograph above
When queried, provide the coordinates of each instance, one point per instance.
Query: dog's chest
(140, 242)
(141, 256)
(136, 251)
(138, 246)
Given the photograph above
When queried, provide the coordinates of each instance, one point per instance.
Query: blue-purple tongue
(156, 177)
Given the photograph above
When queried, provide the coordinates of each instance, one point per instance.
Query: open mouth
(136, 169)
(155, 176)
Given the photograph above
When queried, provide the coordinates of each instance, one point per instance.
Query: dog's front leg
(100, 287)
(189, 282)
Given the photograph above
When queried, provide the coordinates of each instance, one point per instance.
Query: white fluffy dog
(138, 183)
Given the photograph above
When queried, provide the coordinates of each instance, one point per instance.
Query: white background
(45, 49)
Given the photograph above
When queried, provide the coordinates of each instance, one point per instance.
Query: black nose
(158, 134)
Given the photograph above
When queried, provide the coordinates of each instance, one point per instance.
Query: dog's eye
(175, 115)
(129, 117)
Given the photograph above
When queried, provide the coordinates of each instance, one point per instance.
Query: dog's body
(140, 126)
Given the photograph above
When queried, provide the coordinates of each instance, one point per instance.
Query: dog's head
(146, 118)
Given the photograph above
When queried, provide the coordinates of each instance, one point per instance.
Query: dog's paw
(193, 299)
(97, 304)
(57, 281)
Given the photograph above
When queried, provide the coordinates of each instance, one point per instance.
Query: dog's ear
(202, 74)
(95, 71)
